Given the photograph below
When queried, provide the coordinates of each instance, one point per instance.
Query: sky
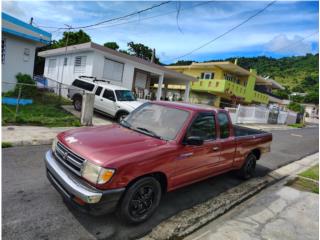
(287, 28)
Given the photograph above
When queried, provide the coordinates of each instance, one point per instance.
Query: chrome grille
(69, 159)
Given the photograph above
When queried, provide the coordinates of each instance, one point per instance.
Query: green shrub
(6, 144)
(27, 91)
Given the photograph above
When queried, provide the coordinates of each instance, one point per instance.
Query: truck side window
(108, 94)
(224, 125)
(98, 91)
(83, 85)
(204, 127)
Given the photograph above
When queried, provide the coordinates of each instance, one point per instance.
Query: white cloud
(282, 44)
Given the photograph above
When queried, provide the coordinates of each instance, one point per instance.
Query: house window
(80, 64)
(52, 66)
(3, 50)
(26, 54)
(113, 70)
(207, 75)
(65, 61)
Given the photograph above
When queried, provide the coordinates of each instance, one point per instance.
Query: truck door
(196, 162)
(107, 102)
(226, 140)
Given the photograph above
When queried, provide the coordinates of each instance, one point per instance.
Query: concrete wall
(15, 60)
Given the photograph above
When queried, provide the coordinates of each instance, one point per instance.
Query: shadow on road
(110, 227)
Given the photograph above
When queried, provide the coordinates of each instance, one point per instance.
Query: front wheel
(121, 116)
(140, 201)
(248, 168)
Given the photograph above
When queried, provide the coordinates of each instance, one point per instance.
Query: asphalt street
(33, 209)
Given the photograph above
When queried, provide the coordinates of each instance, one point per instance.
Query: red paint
(134, 154)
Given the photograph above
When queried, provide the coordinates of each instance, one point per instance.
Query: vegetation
(72, 37)
(296, 125)
(307, 180)
(112, 45)
(45, 110)
(312, 173)
(296, 107)
(6, 144)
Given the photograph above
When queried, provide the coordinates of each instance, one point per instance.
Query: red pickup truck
(159, 147)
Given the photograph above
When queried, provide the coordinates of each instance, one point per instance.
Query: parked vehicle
(159, 147)
(114, 101)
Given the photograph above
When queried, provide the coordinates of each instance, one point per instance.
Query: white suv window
(83, 85)
(108, 94)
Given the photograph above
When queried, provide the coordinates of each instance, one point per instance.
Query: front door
(106, 102)
(197, 162)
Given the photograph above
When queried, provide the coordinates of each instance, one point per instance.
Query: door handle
(215, 148)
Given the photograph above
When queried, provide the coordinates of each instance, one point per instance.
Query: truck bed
(240, 131)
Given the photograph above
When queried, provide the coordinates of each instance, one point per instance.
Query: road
(32, 208)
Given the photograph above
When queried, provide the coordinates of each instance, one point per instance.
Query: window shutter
(80, 64)
(112, 70)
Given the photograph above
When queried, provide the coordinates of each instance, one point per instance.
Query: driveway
(32, 209)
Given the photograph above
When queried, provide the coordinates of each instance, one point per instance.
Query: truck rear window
(224, 125)
(83, 85)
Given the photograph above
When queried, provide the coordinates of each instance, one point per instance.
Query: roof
(90, 46)
(187, 106)
(230, 67)
(16, 27)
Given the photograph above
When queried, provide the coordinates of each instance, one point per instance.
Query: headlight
(54, 144)
(96, 174)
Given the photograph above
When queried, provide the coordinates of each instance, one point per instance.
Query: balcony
(219, 86)
(227, 88)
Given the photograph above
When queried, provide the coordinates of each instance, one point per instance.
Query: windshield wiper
(149, 132)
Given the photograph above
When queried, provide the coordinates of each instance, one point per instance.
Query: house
(226, 84)
(63, 65)
(19, 42)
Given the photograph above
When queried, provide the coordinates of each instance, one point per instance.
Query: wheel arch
(159, 176)
(256, 152)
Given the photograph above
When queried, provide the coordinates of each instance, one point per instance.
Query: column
(159, 90)
(187, 92)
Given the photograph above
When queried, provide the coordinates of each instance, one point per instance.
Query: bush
(296, 107)
(27, 91)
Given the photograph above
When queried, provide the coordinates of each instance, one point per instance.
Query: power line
(150, 17)
(112, 19)
(226, 32)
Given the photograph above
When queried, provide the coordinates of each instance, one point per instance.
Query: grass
(45, 111)
(312, 173)
(307, 180)
(296, 125)
(6, 144)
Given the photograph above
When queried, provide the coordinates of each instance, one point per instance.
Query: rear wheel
(248, 168)
(77, 103)
(140, 201)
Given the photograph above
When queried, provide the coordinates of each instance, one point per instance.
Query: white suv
(115, 101)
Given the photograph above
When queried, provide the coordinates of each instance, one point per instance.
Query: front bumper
(78, 192)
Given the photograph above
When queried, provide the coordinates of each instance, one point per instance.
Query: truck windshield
(124, 95)
(156, 120)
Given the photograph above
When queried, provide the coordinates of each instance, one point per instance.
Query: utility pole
(65, 57)
(153, 55)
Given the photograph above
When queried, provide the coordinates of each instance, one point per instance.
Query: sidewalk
(278, 212)
(36, 135)
(266, 127)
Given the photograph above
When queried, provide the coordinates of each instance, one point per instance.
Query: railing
(260, 97)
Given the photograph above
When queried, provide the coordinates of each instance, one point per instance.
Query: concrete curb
(31, 142)
(191, 219)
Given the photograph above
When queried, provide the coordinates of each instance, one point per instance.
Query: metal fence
(260, 115)
(43, 92)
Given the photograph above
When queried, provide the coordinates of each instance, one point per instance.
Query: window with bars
(52, 65)
(3, 50)
(80, 64)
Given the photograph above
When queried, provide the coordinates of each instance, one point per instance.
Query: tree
(73, 38)
(312, 97)
(142, 51)
(296, 107)
(182, 63)
(112, 45)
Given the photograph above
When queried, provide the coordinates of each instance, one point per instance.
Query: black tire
(140, 200)
(248, 168)
(77, 103)
(121, 115)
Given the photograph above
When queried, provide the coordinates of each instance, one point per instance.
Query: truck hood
(106, 145)
(132, 104)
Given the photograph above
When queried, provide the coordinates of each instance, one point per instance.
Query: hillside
(291, 72)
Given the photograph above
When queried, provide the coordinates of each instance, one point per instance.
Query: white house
(19, 42)
(90, 59)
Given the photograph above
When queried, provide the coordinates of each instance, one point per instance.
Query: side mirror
(194, 140)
